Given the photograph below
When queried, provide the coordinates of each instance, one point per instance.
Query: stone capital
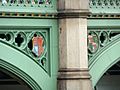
(73, 8)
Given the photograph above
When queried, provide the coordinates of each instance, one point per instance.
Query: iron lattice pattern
(104, 8)
(24, 2)
(98, 40)
(104, 3)
(32, 43)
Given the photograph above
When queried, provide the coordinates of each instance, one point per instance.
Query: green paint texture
(23, 66)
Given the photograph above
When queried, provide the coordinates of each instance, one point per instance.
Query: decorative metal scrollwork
(7, 36)
(33, 43)
(104, 8)
(20, 39)
(104, 2)
(99, 39)
(104, 38)
(32, 2)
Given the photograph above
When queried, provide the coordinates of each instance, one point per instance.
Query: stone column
(73, 64)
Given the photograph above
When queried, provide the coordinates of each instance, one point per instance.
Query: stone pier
(73, 64)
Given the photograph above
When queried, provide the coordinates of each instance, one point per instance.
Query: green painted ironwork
(7, 66)
(99, 39)
(21, 22)
(16, 55)
(28, 8)
(25, 2)
(103, 45)
(103, 23)
(22, 40)
(103, 36)
(103, 50)
(104, 59)
(105, 6)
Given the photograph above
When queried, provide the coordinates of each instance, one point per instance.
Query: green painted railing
(28, 8)
(104, 6)
(25, 2)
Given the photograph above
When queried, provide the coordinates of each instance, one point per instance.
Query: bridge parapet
(28, 8)
(104, 8)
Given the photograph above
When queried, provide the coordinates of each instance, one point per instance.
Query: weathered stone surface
(73, 64)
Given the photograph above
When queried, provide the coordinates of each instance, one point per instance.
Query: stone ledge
(73, 13)
(73, 74)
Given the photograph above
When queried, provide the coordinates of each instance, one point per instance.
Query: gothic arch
(104, 61)
(24, 67)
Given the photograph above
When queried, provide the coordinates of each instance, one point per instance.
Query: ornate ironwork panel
(104, 3)
(28, 8)
(25, 2)
(99, 39)
(104, 8)
(104, 13)
(33, 43)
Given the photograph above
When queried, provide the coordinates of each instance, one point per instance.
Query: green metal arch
(104, 60)
(24, 67)
(11, 68)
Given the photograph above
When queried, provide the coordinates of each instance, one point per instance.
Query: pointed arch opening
(10, 81)
(104, 61)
